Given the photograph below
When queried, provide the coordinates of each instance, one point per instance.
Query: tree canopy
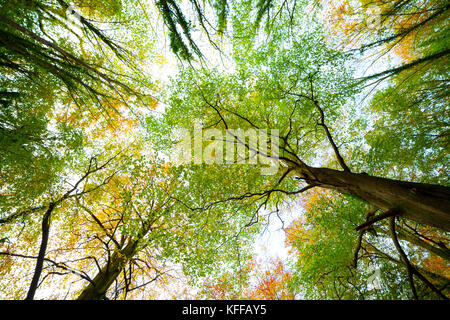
(146, 145)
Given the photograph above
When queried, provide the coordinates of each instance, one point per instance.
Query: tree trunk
(425, 203)
(41, 255)
(96, 290)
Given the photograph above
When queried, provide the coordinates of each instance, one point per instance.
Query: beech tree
(296, 83)
(98, 201)
(302, 92)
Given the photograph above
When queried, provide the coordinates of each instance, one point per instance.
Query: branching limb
(410, 268)
(312, 98)
(404, 257)
(321, 123)
(387, 214)
(369, 217)
(47, 219)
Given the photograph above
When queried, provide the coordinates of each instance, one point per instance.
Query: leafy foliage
(96, 202)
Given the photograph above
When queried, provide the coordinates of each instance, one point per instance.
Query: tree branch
(340, 159)
(410, 268)
(387, 214)
(404, 257)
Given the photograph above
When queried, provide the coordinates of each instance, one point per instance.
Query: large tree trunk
(425, 203)
(96, 290)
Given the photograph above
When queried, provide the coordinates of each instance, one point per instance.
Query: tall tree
(304, 91)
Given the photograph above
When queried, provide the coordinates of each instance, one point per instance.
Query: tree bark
(96, 290)
(425, 203)
(41, 255)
